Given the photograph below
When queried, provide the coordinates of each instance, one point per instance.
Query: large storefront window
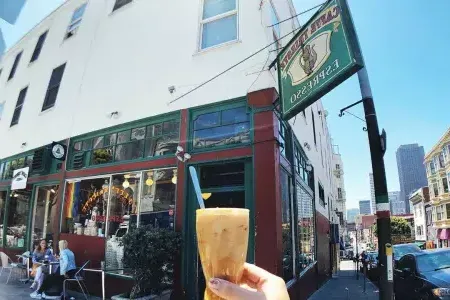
(226, 127)
(45, 213)
(17, 218)
(288, 250)
(2, 214)
(306, 232)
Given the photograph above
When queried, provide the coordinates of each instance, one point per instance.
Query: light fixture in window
(174, 178)
(126, 183)
(149, 180)
(52, 191)
(206, 196)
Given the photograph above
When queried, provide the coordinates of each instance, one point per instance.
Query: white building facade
(92, 71)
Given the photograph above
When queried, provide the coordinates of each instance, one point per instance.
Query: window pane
(102, 156)
(221, 175)
(129, 151)
(207, 120)
(2, 167)
(20, 162)
(122, 206)
(158, 198)
(161, 145)
(154, 130)
(45, 213)
(224, 135)
(17, 221)
(74, 25)
(50, 97)
(235, 115)
(123, 137)
(213, 8)
(77, 146)
(306, 234)
(138, 133)
(170, 127)
(7, 170)
(120, 3)
(98, 142)
(110, 140)
(219, 31)
(286, 215)
(2, 213)
(78, 13)
(87, 144)
(84, 210)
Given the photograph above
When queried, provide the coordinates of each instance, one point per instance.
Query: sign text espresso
(323, 53)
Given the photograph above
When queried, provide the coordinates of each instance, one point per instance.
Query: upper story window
(221, 128)
(136, 143)
(119, 3)
(282, 136)
(19, 105)
(441, 160)
(2, 105)
(314, 127)
(444, 185)
(339, 190)
(338, 166)
(53, 87)
(321, 195)
(432, 167)
(38, 48)
(300, 165)
(219, 22)
(274, 20)
(14, 66)
(75, 21)
(435, 186)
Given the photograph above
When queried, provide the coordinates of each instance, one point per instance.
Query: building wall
(373, 205)
(420, 221)
(411, 171)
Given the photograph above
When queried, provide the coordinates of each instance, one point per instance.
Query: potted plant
(149, 255)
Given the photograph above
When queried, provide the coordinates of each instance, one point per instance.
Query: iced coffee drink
(222, 236)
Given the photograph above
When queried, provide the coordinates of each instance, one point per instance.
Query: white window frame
(73, 31)
(202, 22)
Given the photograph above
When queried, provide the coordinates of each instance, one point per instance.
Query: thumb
(231, 291)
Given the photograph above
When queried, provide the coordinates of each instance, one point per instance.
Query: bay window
(219, 22)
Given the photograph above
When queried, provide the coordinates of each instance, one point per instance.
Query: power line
(303, 12)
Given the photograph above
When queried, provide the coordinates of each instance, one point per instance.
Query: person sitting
(41, 253)
(67, 269)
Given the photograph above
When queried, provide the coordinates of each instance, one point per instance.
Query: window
(2, 213)
(338, 166)
(314, 127)
(19, 105)
(53, 87)
(435, 189)
(339, 190)
(75, 21)
(447, 210)
(306, 230)
(300, 164)
(45, 213)
(444, 184)
(282, 137)
(14, 66)
(419, 230)
(17, 218)
(219, 22)
(432, 167)
(119, 3)
(2, 106)
(439, 212)
(287, 229)
(38, 48)
(441, 160)
(321, 195)
(227, 127)
(274, 20)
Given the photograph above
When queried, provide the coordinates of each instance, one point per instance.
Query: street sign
(323, 54)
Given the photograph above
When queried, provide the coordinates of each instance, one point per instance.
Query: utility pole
(377, 148)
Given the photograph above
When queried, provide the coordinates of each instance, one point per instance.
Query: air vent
(40, 159)
(78, 160)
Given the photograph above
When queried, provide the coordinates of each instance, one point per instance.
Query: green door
(223, 184)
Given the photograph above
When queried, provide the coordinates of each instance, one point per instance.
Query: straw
(196, 184)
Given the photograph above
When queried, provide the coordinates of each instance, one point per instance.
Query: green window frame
(138, 141)
(212, 122)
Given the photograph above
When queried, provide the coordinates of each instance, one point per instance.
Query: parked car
(402, 249)
(423, 275)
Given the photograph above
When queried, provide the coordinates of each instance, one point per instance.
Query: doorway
(44, 214)
(224, 184)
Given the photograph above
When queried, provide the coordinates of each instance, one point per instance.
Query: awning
(444, 234)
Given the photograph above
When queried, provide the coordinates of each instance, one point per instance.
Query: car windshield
(399, 251)
(433, 261)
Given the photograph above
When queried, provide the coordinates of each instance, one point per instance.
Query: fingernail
(214, 283)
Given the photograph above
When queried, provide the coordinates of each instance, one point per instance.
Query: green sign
(323, 54)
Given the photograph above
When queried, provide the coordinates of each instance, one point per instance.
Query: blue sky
(404, 45)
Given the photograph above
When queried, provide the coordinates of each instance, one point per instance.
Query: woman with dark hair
(41, 253)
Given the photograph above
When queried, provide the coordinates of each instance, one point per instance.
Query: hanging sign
(59, 151)
(323, 54)
(19, 179)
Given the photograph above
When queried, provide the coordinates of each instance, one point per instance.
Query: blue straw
(196, 184)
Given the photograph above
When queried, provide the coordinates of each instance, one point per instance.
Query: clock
(59, 151)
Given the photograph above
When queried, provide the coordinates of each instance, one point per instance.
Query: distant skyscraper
(396, 203)
(372, 195)
(10, 10)
(351, 214)
(364, 207)
(411, 171)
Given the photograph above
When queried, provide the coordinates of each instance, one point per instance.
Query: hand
(256, 284)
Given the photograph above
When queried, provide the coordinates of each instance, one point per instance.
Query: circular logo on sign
(58, 151)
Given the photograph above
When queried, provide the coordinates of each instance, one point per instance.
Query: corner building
(102, 77)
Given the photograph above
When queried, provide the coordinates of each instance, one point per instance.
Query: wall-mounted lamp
(307, 146)
(308, 166)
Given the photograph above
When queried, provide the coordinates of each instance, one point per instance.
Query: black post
(379, 178)
(357, 254)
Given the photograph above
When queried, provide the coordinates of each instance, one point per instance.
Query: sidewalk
(336, 288)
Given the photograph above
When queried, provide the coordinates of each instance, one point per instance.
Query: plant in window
(101, 156)
(150, 254)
